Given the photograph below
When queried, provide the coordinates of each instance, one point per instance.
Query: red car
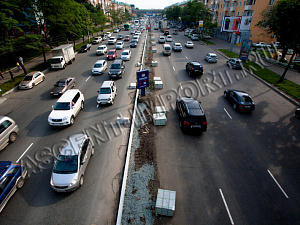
(112, 54)
(127, 38)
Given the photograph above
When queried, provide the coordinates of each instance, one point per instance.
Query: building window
(240, 4)
(271, 2)
(254, 1)
(244, 3)
(238, 13)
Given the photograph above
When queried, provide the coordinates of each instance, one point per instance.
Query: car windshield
(105, 90)
(213, 56)
(97, 65)
(27, 78)
(56, 60)
(245, 98)
(62, 106)
(100, 48)
(125, 53)
(66, 164)
(59, 84)
(83, 46)
(119, 43)
(167, 48)
(115, 66)
(111, 53)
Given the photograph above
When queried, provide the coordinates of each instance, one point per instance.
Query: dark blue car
(12, 177)
(239, 100)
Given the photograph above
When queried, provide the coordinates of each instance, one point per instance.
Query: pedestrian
(21, 60)
(11, 75)
(18, 65)
(1, 74)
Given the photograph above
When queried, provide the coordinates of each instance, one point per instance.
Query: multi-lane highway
(245, 168)
(96, 202)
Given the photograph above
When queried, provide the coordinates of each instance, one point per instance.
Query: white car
(99, 67)
(206, 36)
(177, 47)
(120, 45)
(138, 33)
(112, 40)
(108, 34)
(126, 55)
(161, 40)
(136, 38)
(107, 93)
(97, 40)
(189, 44)
(66, 108)
(116, 30)
(71, 163)
(211, 57)
(169, 38)
(101, 50)
(261, 44)
(195, 37)
(32, 79)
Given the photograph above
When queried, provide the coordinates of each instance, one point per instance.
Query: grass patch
(269, 76)
(208, 42)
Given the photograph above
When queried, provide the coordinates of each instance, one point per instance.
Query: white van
(167, 49)
(107, 93)
(66, 108)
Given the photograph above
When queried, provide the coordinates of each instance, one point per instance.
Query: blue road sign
(142, 78)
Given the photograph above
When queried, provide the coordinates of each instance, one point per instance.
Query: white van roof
(107, 83)
(68, 95)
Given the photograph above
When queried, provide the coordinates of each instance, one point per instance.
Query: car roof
(212, 54)
(106, 83)
(2, 118)
(102, 46)
(195, 63)
(112, 50)
(72, 147)
(177, 44)
(32, 73)
(193, 106)
(117, 61)
(100, 61)
(68, 95)
(126, 50)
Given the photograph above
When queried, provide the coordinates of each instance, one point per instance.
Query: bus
(127, 26)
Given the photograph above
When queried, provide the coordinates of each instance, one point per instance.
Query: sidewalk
(290, 75)
(40, 59)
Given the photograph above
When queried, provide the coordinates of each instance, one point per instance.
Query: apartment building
(253, 8)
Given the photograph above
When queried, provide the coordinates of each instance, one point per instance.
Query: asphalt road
(245, 168)
(96, 201)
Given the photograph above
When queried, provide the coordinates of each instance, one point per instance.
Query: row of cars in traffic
(71, 163)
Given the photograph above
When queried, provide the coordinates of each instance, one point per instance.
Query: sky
(151, 4)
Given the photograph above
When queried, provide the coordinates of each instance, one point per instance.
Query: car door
(85, 155)
(5, 129)
(76, 104)
(7, 185)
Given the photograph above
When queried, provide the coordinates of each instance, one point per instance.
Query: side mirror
(52, 107)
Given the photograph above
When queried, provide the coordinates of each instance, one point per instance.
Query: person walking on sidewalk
(1, 74)
(11, 75)
(18, 65)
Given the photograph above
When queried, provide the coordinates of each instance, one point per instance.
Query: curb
(265, 83)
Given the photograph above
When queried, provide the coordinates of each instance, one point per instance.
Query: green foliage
(229, 54)
(173, 13)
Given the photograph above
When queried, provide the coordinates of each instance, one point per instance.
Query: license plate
(196, 126)
(247, 106)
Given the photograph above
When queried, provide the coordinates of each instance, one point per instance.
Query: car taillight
(205, 123)
(186, 123)
(240, 106)
(192, 69)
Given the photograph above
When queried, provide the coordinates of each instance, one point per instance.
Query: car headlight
(74, 181)
(119, 72)
(51, 182)
(65, 118)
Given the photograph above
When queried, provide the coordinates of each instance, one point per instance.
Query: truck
(62, 55)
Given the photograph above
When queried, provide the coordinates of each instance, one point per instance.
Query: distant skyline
(150, 4)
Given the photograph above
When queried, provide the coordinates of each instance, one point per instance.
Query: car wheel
(33, 84)
(82, 105)
(74, 84)
(64, 67)
(20, 183)
(12, 137)
(225, 94)
(43, 79)
(234, 106)
(81, 181)
(72, 120)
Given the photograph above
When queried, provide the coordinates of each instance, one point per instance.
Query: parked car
(191, 115)
(234, 63)
(120, 45)
(112, 54)
(189, 44)
(161, 40)
(62, 85)
(112, 40)
(97, 40)
(85, 48)
(194, 69)
(127, 38)
(12, 177)
(297, 113)
(126, 55)
(32, 79)
(101, 50)
(107, 93)
(239, 100)
(8, 131)
(169, 38)
(99, 67)
(206, 36)
(177, 47)
(120, 37)
(133, 44)
(211, 57)
(66, 108)
(261, 44)
(117, 69)
(108, 34)
(195, 37)
(71, 163)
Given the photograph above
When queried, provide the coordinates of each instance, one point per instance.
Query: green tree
(283, 21)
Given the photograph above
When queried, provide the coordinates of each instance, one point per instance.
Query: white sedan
(120, 45)
(126, 55)
(189, 44)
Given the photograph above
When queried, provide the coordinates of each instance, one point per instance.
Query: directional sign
(142, 78)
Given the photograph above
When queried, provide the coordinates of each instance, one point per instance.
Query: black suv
(166, 32)
(191, 114)
(117, 69)
(194, 69)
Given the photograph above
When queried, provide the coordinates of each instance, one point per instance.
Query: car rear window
(245, 98)
(167, 48)
(197, 67)
(105, 90)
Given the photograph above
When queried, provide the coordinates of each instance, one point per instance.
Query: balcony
(248, 7)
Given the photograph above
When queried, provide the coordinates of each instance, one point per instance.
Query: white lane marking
(24, 152)
(278, 184)
(169, 57)
(87, 78)
(228, 113)
(186, 57)
(180, 86)
(231, 220)
(173, 68)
